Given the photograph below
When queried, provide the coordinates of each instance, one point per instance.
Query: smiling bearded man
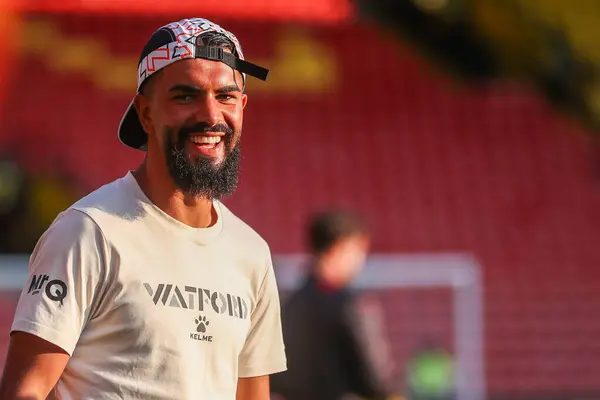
(149, 287)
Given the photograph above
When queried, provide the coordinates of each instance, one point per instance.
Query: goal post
(460, 273)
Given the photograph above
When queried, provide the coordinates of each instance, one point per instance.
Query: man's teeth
(205, 139)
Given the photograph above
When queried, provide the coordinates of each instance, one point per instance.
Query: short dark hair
(214, 39)
(328, 227)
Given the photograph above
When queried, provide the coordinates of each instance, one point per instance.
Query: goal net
(427, 300)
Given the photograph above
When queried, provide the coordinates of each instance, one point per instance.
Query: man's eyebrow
(195, 89)
(228, 89)
(185, 88)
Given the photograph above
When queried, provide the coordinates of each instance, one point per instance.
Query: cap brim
(130, 130)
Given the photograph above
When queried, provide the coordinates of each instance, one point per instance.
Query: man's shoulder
(113, 203)
(104, 197)
(84, 218)
(241, 230)
(69, 229)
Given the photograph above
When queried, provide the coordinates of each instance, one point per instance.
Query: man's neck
(158, 186)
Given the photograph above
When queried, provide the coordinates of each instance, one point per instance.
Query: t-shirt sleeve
(65, 280)
(264, 350)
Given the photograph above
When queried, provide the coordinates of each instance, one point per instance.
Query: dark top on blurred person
(330, 353)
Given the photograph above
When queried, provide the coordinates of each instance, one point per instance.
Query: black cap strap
(218, 54)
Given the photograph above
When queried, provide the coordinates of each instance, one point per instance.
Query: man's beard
(199, 177)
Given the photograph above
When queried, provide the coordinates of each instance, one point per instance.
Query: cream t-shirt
(150, 308)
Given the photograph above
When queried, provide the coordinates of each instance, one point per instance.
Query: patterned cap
(175, 42)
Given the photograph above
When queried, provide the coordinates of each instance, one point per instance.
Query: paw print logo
(202, 323)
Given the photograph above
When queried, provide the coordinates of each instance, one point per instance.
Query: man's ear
(142, 106)
(244, 100)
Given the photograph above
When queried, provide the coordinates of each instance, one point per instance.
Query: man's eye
(184, 97)
(226, 97)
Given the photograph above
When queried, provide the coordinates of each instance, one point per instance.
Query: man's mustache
(202, 127)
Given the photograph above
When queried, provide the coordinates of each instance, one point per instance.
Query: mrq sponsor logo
(54, 289)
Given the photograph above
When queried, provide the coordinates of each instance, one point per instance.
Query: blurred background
(466, 131)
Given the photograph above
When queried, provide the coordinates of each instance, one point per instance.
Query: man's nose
(209, 111)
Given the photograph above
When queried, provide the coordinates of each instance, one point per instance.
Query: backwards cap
(175, 42)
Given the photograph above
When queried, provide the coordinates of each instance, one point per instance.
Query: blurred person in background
(149, 287)
(334, 342)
